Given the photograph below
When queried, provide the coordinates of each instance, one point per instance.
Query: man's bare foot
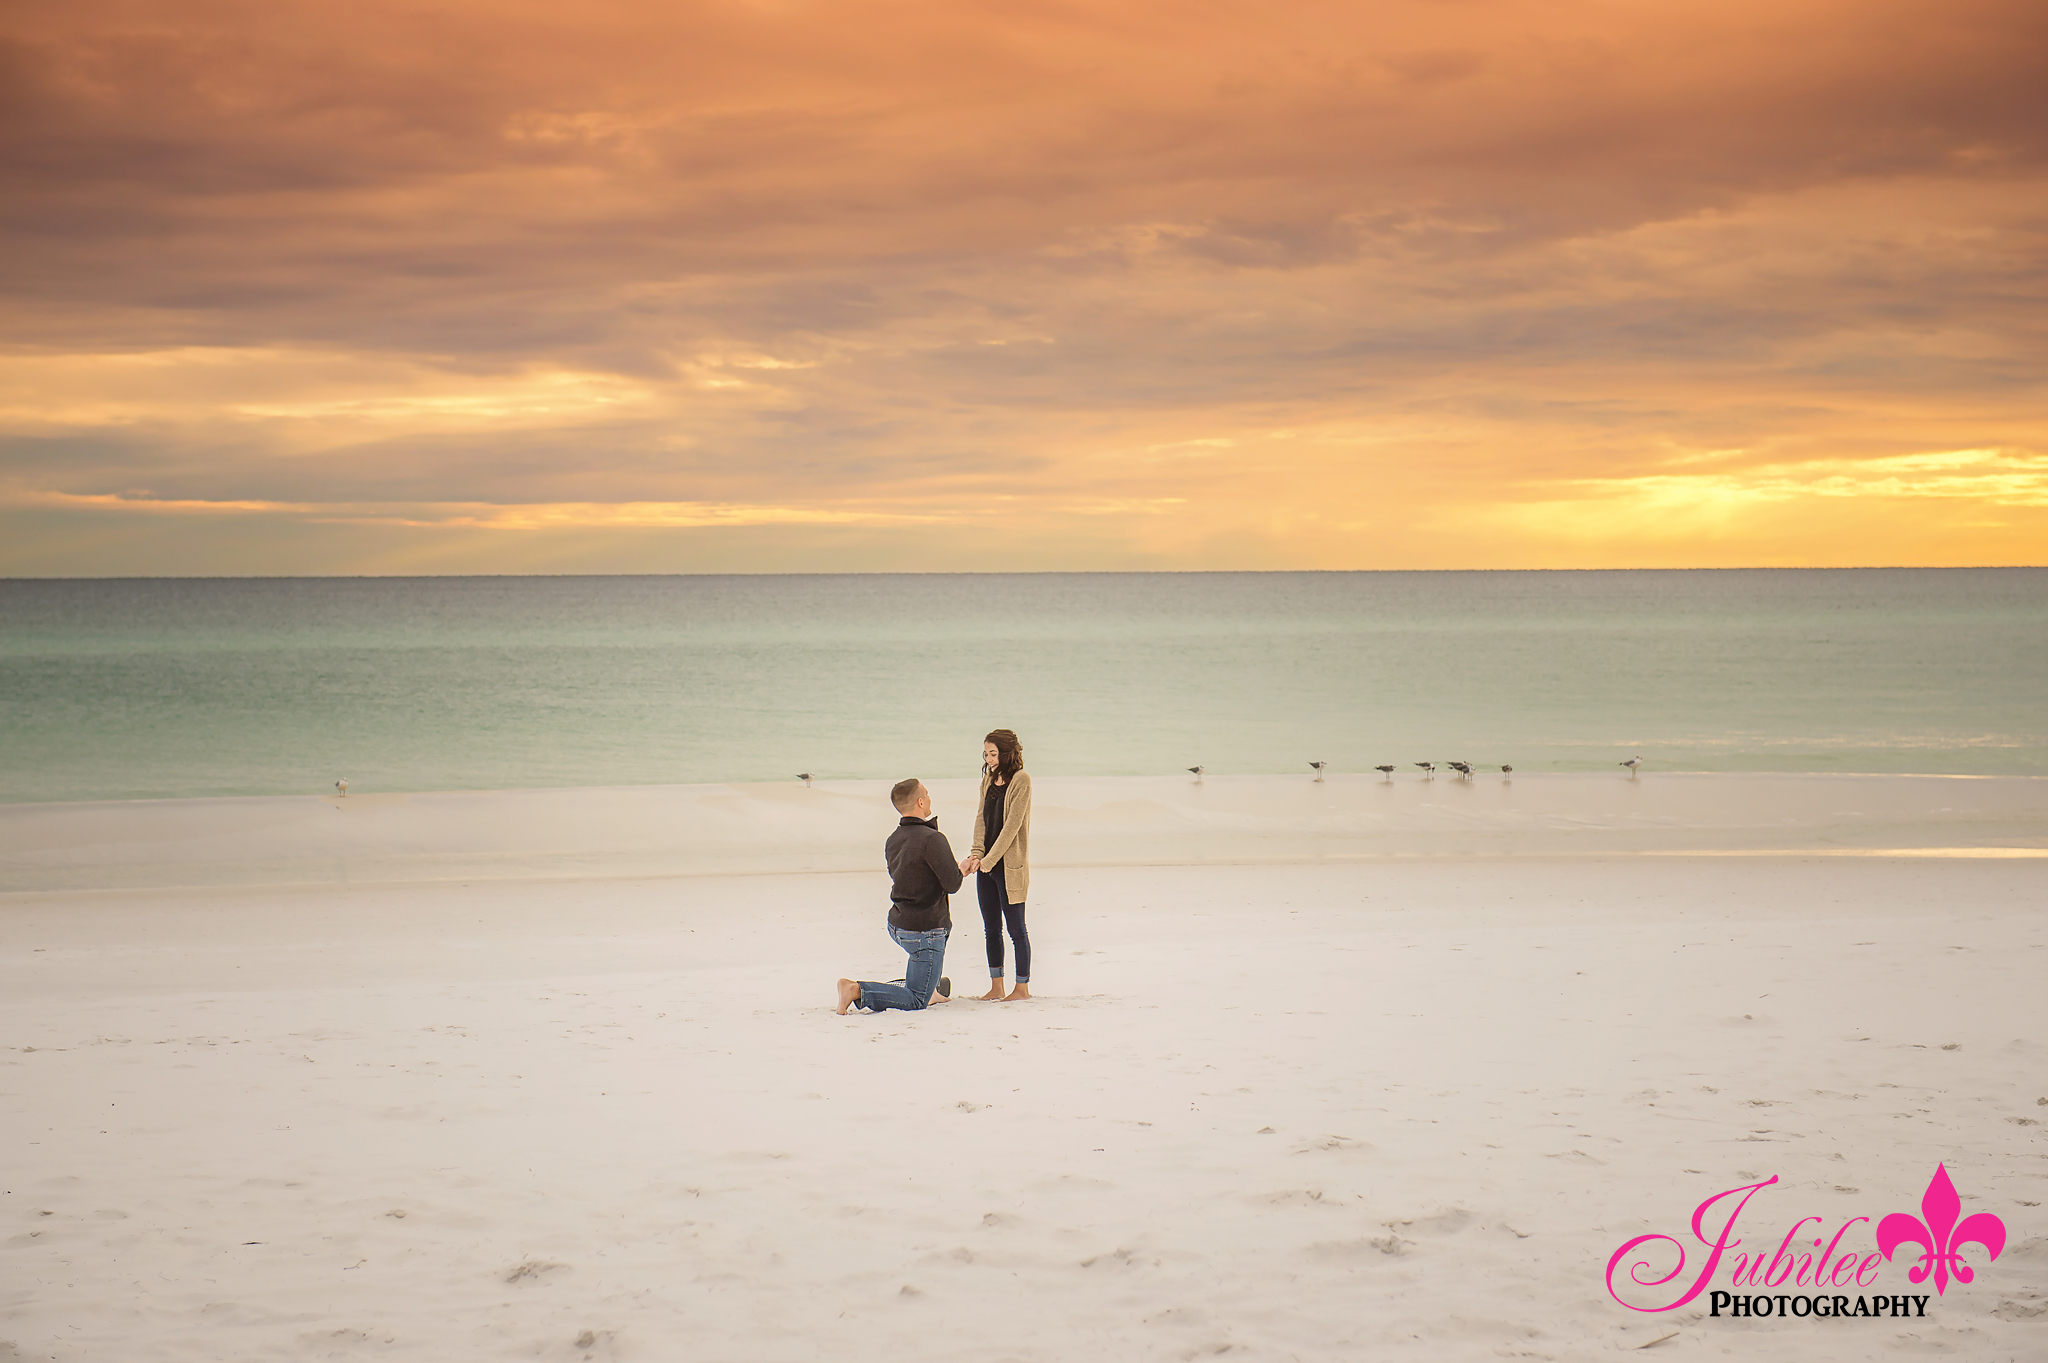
(1022, 991)
(849, 994)
(994, 994)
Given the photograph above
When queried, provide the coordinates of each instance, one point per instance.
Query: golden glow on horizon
(1711, 502)
(702, 287)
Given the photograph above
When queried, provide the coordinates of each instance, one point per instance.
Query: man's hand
(968, 865)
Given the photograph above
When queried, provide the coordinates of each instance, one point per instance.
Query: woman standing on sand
(1001, 854)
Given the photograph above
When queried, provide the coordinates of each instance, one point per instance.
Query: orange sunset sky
(304, 287)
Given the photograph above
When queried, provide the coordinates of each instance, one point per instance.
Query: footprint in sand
(1449, 1221)
(1119, 1258)
(1365, 1250)
(1344, 1143)
(1575, 1157)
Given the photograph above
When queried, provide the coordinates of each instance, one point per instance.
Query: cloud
(466, 515)
(1180, 284)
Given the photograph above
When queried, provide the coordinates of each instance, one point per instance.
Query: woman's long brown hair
(1009, 753)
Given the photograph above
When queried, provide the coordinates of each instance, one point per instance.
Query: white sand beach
(1316, 1071)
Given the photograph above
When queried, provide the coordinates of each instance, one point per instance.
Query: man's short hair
(904, 793)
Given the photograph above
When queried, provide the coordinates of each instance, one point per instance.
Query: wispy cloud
(467, 515)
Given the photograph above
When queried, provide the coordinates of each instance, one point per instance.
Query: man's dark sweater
(922, 873)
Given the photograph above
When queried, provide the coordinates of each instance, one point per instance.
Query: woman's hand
(968, 865)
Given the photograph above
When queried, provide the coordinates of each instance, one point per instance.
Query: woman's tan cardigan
(1013, 845)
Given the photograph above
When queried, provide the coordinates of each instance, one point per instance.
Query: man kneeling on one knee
(922, 873)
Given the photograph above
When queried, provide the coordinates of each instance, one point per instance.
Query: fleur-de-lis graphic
(1939, 1234)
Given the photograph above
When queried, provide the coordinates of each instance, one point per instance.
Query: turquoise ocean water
(123, 689)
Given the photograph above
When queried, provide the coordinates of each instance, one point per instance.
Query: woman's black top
(992, 814)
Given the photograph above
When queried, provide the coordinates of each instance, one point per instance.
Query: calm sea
(123, 689)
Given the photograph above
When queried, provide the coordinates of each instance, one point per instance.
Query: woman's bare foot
(849, 994)
(1022, 991)
(994, 994)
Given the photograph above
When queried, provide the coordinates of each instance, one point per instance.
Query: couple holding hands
(922, 873)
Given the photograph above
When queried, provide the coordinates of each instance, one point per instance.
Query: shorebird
(1388, 768)
(1428, 768)
(1319, 768)
(342, 786)
(1632, 764)
(1462, 768)
(804, 777)
(1198, 773)
(1506, 770)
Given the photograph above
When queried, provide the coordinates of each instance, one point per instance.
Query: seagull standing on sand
(1198, 773)
(1428, 770)
(1506, 770)
(342, 786)
(1319, 768)
(1388, 768)
(1632, 764)
(804, 777)
(1462, 768)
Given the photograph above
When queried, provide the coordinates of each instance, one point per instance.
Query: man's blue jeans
(927, 955)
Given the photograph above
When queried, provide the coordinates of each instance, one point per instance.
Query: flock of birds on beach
(1465, 771)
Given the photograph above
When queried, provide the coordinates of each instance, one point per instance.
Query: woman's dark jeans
(995, 907)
